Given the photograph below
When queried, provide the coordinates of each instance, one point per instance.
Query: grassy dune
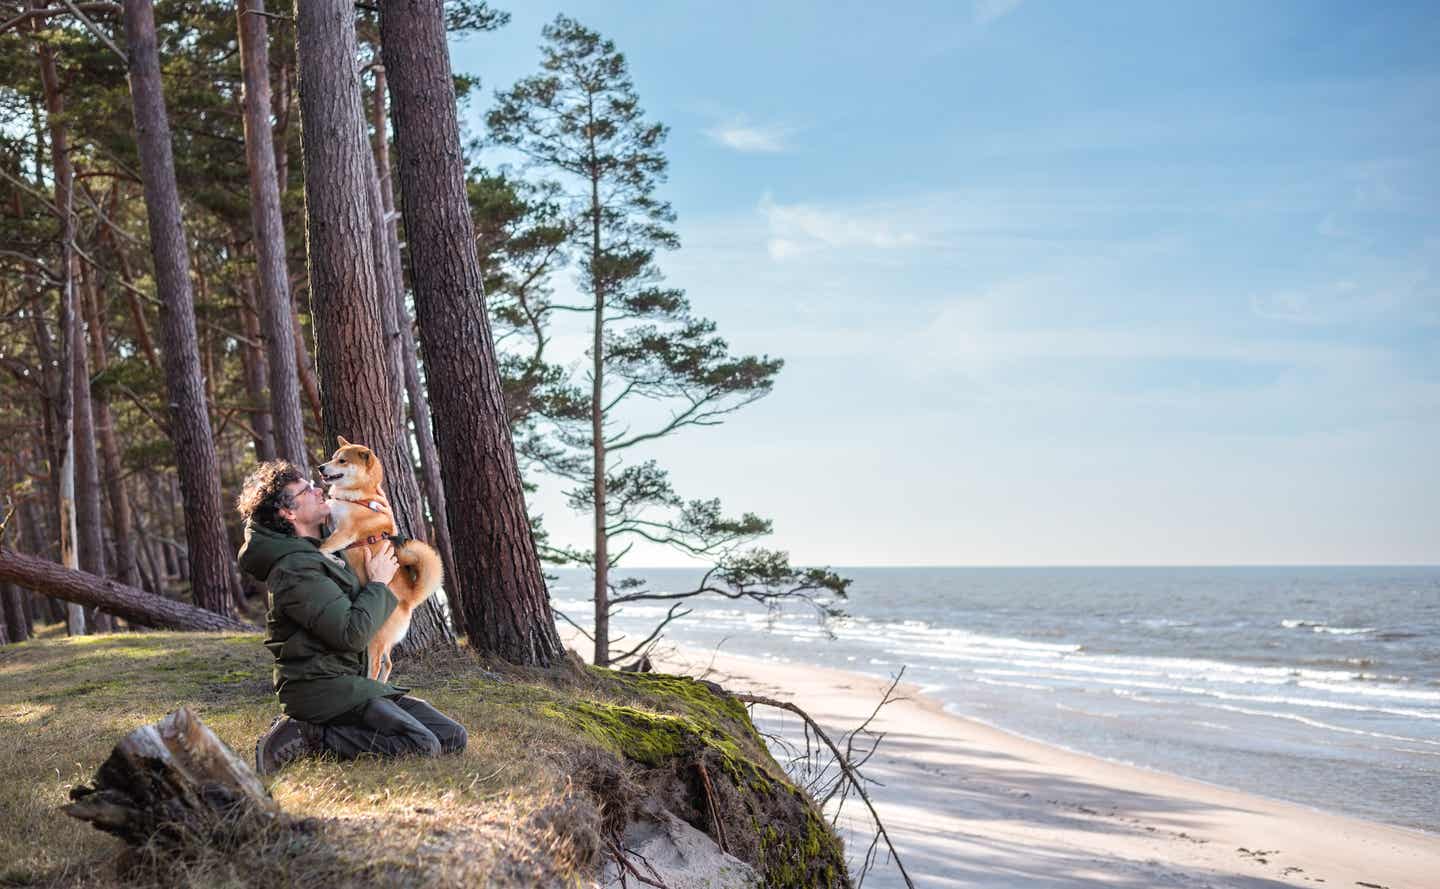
(557, 761)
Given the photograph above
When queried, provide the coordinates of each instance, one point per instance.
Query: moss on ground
(556, 758)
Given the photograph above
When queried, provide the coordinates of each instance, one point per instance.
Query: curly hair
(263, 495)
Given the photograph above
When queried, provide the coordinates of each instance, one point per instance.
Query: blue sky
(1055, 283)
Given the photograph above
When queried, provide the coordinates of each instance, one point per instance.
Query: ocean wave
(1315, 723)
(1399, 694)
(1124, 687)
(1320, 626)
(1003, 684)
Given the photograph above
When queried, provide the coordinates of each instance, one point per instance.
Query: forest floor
(512, 810)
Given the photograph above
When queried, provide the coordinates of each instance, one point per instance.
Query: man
(319, 625)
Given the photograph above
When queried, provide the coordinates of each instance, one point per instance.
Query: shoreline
(1336, 813)
(1419, 832)
(969, 803)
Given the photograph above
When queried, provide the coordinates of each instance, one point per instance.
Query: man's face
(310, 506)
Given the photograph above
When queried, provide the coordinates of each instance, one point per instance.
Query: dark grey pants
(387, 727)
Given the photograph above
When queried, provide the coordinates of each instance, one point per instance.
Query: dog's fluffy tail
(429, 572)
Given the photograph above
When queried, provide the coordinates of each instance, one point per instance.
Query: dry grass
(503, 813)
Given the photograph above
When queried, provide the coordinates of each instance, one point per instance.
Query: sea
(1315, 685)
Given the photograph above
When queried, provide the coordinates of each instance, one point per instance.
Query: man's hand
(381, 566)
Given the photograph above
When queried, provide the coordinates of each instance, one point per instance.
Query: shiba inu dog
(360, 513)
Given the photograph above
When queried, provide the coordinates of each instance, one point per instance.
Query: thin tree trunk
(122, 526)
(137, 312)
(282, 132)
(597, 434)
(347, 308)
(257, 377)
(17, 623)
(88, 514)
(308, 384)
(65, 400)
(214, 581)
(499, 585)
(409, 358)
(149, 562)
(274, 278)
(33, 535)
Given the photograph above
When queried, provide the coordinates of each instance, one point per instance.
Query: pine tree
(212, 560)
(580, 121)
(501, 589)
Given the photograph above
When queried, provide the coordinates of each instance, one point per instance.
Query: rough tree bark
(274, 280)
(64, 466)
(137, 606)
(409, 357)
(214, 581)
(358, 394)
(500, 588)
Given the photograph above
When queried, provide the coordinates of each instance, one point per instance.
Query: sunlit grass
(466, 819)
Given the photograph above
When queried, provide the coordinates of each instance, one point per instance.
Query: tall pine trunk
(358, 393)
(214, 582)
(597, 434)
(64, 429)
(500, 588)
(273, 300)
(409, 359)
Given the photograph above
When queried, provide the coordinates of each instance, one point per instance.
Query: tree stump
(175, 783)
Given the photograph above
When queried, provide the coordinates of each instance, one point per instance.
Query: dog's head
(352, 466)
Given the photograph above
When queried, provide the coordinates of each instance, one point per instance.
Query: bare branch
(94, 29)
(565, 617)
(846, 768)
(51, 11)
(671, 616)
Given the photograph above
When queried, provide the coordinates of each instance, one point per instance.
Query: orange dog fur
(360, 511)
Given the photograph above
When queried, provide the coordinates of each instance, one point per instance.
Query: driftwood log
(135, 605)
(174, 783)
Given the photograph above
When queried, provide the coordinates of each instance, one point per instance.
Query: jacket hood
(263, 548)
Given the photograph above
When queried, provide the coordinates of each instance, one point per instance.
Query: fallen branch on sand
(849, 770)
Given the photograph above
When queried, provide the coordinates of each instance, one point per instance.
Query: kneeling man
(319, 627)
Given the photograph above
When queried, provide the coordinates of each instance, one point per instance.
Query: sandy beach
(971, 805)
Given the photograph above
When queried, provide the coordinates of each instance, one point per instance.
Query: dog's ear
(343, 442)
(365, 455)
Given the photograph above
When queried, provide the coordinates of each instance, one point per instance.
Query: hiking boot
(284, 742)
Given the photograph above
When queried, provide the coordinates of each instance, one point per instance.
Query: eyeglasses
(310, 488)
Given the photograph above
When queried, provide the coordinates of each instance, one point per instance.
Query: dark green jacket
(319, 626)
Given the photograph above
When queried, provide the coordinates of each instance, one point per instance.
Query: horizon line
(699, 567)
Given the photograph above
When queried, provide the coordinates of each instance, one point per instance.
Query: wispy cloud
(751, 138)
(987, 11)
(804, 228)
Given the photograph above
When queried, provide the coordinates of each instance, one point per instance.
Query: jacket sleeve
(317, 603)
